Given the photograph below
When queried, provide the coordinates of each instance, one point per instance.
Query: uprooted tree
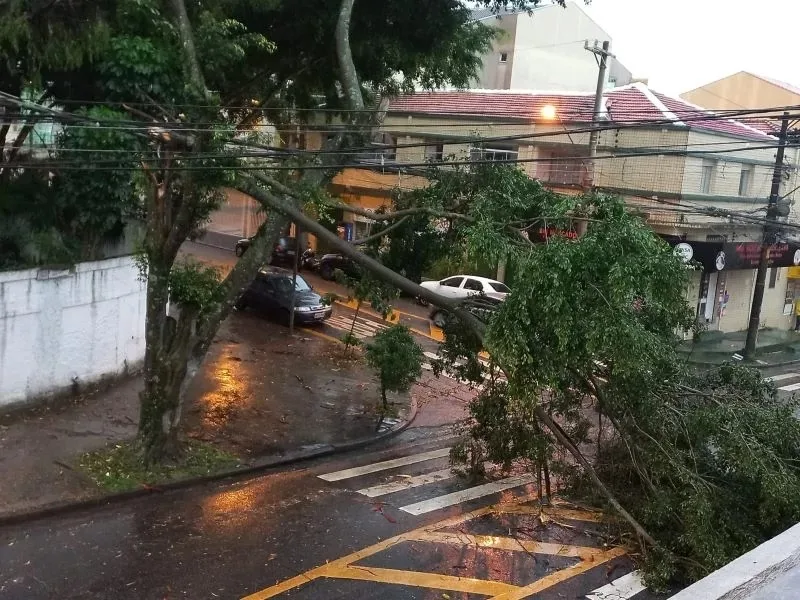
(701, 466)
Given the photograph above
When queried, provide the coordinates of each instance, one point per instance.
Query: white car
(463, 286)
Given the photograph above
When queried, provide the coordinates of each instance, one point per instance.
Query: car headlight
(302, 309)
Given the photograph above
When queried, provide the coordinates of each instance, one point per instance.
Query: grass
(119, 468)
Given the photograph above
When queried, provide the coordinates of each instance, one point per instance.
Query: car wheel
(239, 250)
(422, 301)
(241, 303)
(439, 318)
(326, 272)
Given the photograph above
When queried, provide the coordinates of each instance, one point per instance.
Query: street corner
(508, 551)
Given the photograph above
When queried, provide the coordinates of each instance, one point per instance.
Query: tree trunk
(156, 428)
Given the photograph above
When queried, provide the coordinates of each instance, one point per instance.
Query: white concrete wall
(549, 50)
(63, 326)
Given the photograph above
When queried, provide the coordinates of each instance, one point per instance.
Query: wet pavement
(238, 539)
(260, 392)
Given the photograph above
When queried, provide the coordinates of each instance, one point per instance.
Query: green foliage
(119, 468)
(194, 284)
(396, 358)
(69, 215)
(706, 463)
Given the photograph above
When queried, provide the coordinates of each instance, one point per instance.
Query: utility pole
(766, 243)
(602, 54)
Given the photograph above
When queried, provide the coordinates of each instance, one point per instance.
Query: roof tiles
(626, 104)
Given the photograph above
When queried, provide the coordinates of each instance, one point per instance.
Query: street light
(549, 112)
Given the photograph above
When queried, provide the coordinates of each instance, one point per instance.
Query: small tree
(397, 360)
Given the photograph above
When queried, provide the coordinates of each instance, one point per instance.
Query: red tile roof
(626, 104)
(495, 103)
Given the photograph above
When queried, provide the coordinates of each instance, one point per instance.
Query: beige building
(744, 90)
(698, 180)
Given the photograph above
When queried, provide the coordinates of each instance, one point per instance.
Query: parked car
(271, 293)
(328, 264)
(282, 253)
(461, 287)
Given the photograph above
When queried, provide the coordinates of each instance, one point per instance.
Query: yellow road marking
(504, 543)
(426, 580)
(561, 575)
(324, 336)
(344, 567)
(555, 511)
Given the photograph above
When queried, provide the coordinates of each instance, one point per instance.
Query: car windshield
(288, 243)
(499, 287)
(284, 284)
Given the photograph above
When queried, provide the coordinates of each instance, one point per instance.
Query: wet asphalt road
(236, 537)
(223, 540)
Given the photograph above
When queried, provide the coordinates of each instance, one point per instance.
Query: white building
(544, 50)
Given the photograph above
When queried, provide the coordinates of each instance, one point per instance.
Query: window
(493, 154)
(387, 148)
(745, 177)
(788, 301)
(773, 277)
(453, 282)
(474, 285)
(707, 176)
(504, 57)
(561, 168)
(434, 152)
(499, 287)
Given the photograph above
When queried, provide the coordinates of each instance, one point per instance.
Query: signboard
(733, 256)
(544, 233)
(746, 255)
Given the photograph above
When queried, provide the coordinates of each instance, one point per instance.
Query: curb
(258, 465)
(760, 367)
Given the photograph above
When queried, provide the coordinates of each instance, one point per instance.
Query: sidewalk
(773, 348)
(261, 393)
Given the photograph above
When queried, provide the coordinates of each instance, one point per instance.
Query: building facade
(744, 90)
(699, 181)
(544, 50)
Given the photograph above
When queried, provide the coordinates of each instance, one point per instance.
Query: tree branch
(187, 41)
(479, 328)
(344, 54)
(380, 234)
(269, 200)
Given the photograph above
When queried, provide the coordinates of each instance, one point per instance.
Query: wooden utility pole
(767, 241)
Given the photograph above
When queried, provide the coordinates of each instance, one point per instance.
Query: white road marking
(406, 484)
(790, 388)
(363, 328)
(623, 588)
(426, 506)
(781, 377)
(384, 465)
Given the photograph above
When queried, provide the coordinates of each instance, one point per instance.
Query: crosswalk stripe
(384, 465)
(478, 491)
(623, 588)
(781, 377)
(385, 489)
(790, 388)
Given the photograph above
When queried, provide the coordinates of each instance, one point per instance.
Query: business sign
(545, 233)
(684, 251)
(733, 256)
(747, 255)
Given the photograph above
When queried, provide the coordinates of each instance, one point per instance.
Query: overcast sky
(682, 44)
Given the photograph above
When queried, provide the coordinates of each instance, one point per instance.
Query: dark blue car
(271, 293)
